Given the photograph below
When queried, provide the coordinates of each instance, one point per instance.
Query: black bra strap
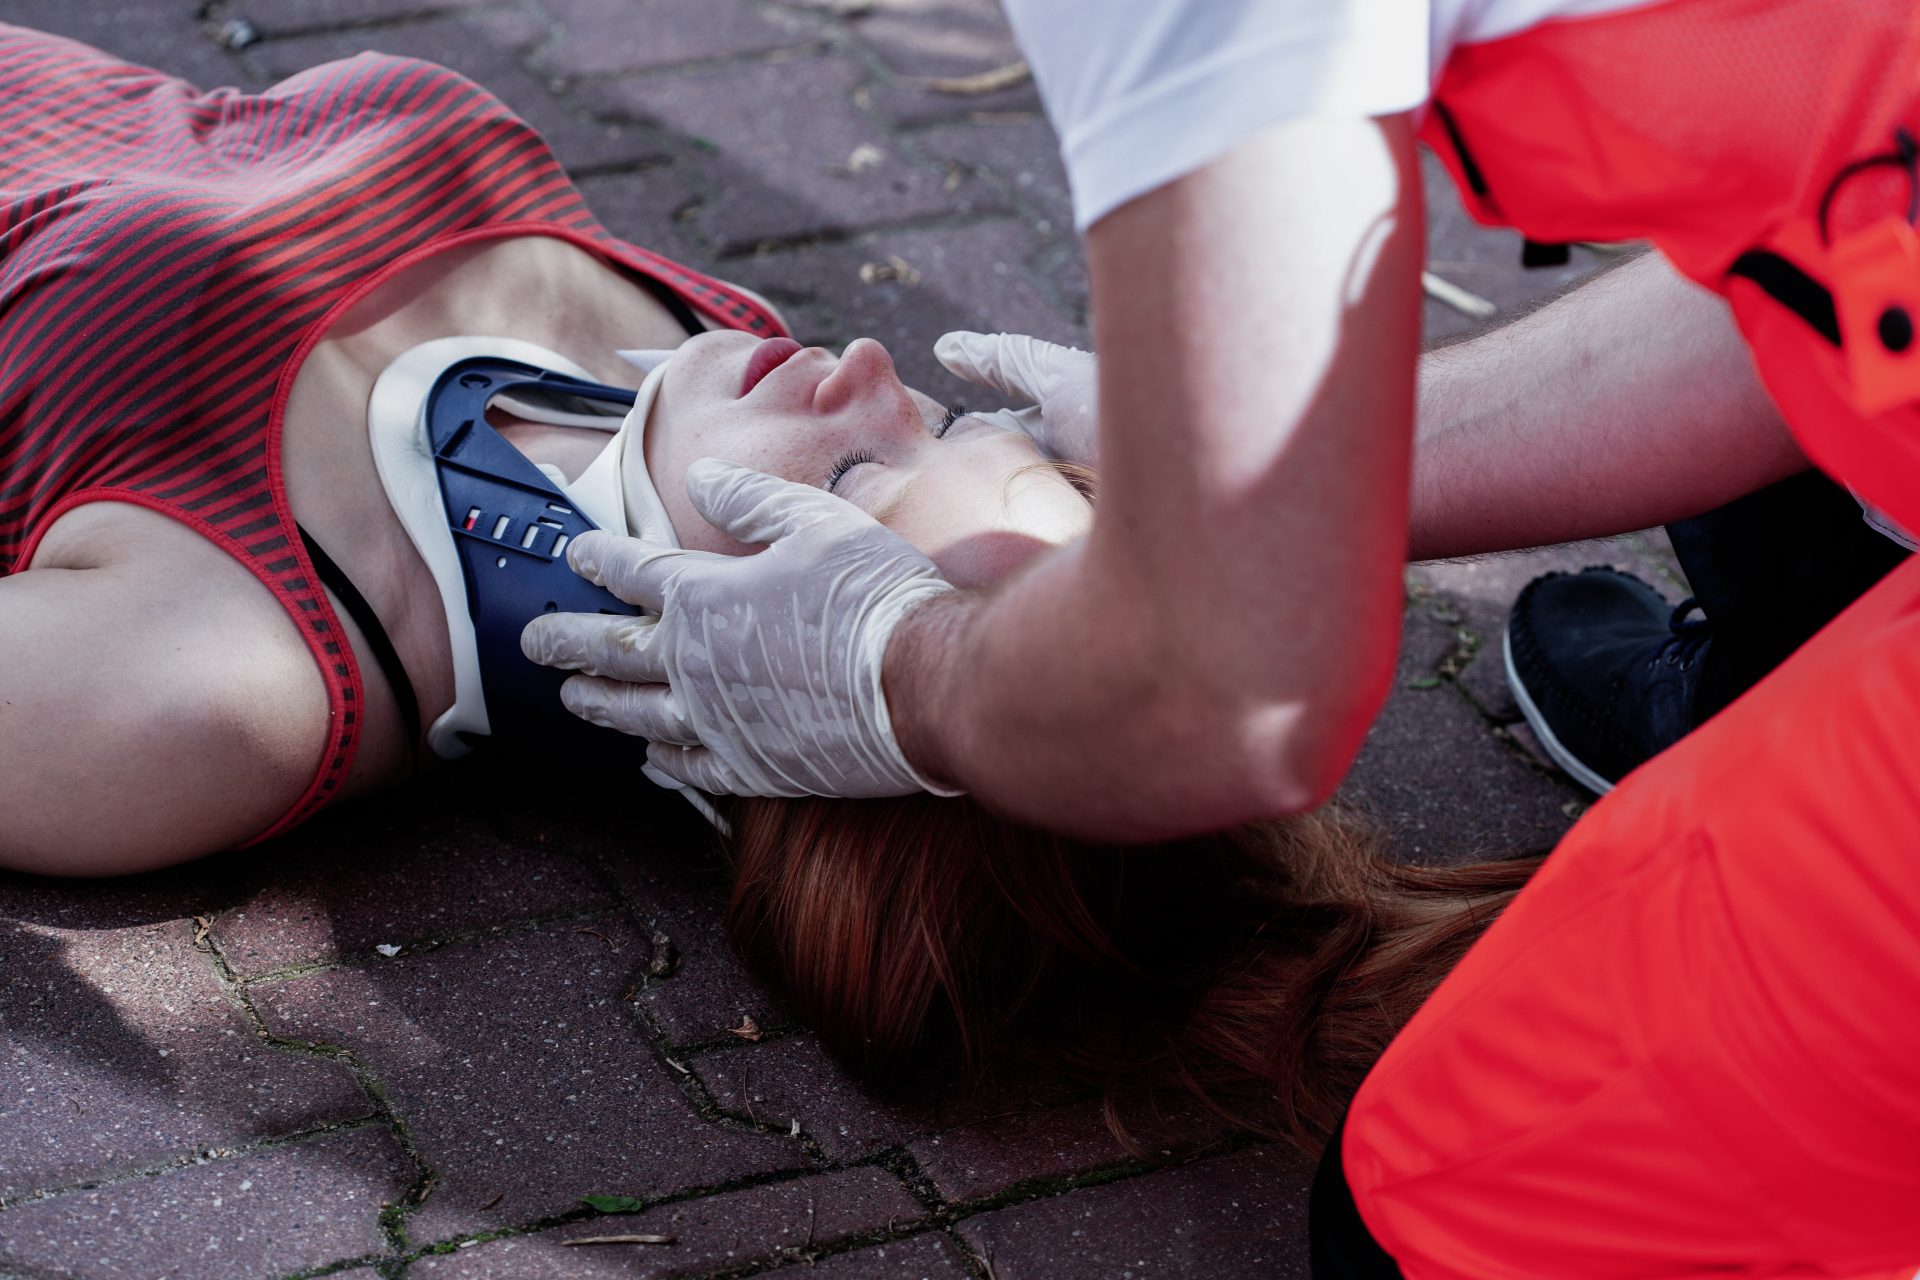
(667, 296)
(377, 640)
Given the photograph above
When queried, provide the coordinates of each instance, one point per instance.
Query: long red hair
(1260, 971)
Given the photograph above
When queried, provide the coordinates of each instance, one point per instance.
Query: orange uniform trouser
(1692, 1045)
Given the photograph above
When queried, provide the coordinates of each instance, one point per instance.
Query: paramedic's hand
(761, 675)
(1062, 383)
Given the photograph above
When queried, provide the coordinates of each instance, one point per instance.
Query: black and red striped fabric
(167, 257)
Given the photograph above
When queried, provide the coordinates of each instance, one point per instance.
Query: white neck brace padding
(602, 491)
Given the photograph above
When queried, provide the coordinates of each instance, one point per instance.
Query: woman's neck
(571, 449)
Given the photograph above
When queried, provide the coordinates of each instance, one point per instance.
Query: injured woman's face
(972, 496)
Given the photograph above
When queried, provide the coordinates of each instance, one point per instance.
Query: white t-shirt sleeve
(1146, 91)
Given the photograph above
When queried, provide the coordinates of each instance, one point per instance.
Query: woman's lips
(767, 357)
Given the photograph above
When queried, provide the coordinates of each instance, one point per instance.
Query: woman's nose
(870, 361)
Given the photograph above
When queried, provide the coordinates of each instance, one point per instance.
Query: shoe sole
(1568, 762)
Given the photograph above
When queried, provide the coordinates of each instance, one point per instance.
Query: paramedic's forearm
(1215, 649)
(1630, 402)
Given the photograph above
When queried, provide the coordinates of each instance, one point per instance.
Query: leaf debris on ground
(665, 958)
(748, 1029)
(894, 268)
(613, 1204)
(237, 33)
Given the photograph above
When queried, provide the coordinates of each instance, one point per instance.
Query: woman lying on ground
(224, 323)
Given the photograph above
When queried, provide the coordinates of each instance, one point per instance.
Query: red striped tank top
(167, 256)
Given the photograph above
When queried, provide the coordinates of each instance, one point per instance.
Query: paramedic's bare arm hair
(1629, 402)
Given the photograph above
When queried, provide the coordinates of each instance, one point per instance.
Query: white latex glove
(761, 675)
(1062, 382)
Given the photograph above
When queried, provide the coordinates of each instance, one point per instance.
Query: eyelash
(847, 463)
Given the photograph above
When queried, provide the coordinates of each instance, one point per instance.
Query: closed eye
(860, 457)
(846, 463)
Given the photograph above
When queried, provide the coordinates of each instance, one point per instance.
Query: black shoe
(1605, 672)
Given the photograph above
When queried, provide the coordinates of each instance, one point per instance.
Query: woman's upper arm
(150, 711)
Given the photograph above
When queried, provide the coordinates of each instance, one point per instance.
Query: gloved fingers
(682, 767)
(634, 570)
(976, 357)
(752, 506)
(1014, 364)
(650, 711)
(661, 779)
(701, 769)
(598, 644)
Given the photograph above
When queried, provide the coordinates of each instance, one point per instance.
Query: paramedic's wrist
(927, 646)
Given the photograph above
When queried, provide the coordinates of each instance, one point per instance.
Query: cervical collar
(505, 537)
(617, 499)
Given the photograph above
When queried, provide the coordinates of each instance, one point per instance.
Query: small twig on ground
(496, 1200)
(1467, 304)
(622, 1240)
(596, 933)
(991, 81)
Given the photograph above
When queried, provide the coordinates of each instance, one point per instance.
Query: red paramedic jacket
(1692, 1045)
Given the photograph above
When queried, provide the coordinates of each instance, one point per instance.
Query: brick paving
(408, 1040)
